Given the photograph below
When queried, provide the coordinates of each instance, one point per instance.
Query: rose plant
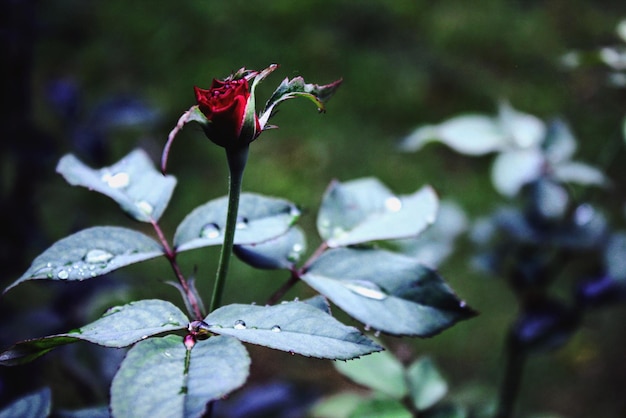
(181, 364)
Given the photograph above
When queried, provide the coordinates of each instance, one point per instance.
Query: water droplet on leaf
(145, 207)
(63, 274)
(242, 222)
(97, 256)
(210, 230)
(239, 324)
(365, 288)
(275, 328)
(393, 204)
(116, 181)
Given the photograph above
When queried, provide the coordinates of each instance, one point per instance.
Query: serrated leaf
(388, 292)
(281, 252)
(426, 385)
(260, 219)
(380, 372)
(295, 327)
(124, 325)
(153, 381)
(132, 182)
(34, 405)
(364, 210)
(296, 87)
(436, 243)
(120, 326)
(91, 253)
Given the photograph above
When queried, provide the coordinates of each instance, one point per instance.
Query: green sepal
(296, 87)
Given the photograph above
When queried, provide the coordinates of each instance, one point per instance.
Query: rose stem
(170, 254)
(237, 158)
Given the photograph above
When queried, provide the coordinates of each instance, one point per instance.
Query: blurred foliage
(404, 63)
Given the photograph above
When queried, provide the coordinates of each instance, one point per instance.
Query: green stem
(236, 164)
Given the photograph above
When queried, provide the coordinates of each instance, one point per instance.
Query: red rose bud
(225, 106)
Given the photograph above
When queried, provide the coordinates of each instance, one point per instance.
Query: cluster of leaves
(546, 231)
(388, 292)
(398, 391)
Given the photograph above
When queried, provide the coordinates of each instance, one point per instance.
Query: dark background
(100, 78)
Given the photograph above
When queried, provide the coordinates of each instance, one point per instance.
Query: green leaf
(153, 380)
(132, 182)
(381, 408)
(340, 405)
(379, 371)
(120, 326)
(28, 350)
(478, 134)
(426, 385)
(388, 292)
(467, 134)
(513, 169)
(296, 87)
(520, 130)
(295, 327)
(364, 210)
(260, 219)
(34, 405)
(281, 252)
(91, 253)
(580, 173)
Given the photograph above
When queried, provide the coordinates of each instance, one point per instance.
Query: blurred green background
(404, 63)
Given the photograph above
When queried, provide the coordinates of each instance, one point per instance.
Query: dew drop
(239, 324)
(145, 207)
(365, 288)
(210, 230)
(377, 333)
(295, 253)
(275, 328)
(116, 181)
(242, 222)
(97, 256)
(63, 274)
(393, 204)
